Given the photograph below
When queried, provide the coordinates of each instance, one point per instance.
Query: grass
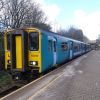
(5, 80)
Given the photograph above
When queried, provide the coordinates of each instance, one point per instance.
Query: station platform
(78, 80)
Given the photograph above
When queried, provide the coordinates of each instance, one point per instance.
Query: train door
(71, 50)
(18, 43)
(54, 52)
(18, 51)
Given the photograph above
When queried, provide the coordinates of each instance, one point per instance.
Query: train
(7, 49)
(31, 51)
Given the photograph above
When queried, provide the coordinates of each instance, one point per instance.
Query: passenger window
(50, 45)
(78, 48)
(64, 46)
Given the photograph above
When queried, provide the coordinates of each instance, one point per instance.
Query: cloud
(51, 10)
(88, 22)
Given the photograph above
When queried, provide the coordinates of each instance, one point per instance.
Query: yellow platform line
(44, 87)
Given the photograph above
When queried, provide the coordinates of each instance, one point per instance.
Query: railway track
(16, 85)
(9, 91)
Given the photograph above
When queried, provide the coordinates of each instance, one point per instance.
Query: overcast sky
(83, 14)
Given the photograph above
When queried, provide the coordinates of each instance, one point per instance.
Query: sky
(82, 14)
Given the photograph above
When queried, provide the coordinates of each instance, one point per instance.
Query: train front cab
(25, 52)
(7, 50)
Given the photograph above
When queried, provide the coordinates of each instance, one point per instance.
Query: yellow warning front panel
(18, 40)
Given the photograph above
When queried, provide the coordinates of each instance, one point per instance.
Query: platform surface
(79, 80)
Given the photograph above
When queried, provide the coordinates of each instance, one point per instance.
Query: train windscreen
(33, 41)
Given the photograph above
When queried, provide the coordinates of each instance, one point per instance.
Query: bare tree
(19, 13)
(14, 12)
(35, 15)
(74, 33)
(1, 4)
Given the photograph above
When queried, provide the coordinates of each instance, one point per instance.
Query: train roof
(49, 33)
(53, 33)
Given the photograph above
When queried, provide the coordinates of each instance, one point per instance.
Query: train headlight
(33, 63)
(9, 61)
